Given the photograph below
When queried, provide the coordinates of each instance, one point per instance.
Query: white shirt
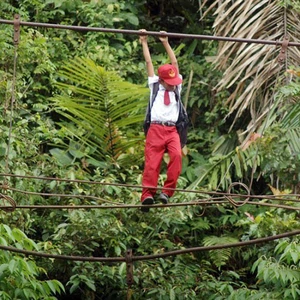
(160, 111)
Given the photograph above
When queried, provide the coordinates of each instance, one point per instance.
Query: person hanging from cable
(165, 124)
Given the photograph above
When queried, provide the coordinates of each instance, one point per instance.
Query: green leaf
(9, 232)
(3, 241)
(18, 234)
(97, 163)
(11, 266)
(51, 286)
(58, 286)
(3, 268)
(295, 256)
(172, 294)
(91, 285)
(122, 269)
(29, 294)
(74, 287)
(62, 157)
(62, 225)
(132, 19)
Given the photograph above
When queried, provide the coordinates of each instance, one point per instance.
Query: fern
(219, 257)
(101, 104)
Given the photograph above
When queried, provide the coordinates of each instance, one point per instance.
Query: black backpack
(182, 122)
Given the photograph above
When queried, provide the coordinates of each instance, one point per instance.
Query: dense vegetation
(77, 113)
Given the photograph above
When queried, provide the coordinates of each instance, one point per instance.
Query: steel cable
(152, 256)
(152, 33)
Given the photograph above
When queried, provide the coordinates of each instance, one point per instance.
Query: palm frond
(250, 70)
(100, 103)
(291, 122)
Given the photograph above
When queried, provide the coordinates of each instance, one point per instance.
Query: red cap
(169, 74)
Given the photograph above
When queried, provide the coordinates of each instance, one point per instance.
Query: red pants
(159, 140)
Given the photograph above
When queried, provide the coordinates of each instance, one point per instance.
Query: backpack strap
(154, 92)
(177, 96)
(147, 120)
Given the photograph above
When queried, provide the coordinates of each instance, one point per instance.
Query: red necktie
(166, 98)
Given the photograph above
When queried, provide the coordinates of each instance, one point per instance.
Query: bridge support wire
(151, 33)
(129, 258)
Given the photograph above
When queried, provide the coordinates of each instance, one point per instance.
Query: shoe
(164, 198)
(147, 201)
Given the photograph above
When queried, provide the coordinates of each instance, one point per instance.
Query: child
(162, 135)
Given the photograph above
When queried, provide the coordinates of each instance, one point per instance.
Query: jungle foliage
(79, 102)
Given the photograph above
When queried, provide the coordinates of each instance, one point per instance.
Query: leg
(175, 163)
(154, 150)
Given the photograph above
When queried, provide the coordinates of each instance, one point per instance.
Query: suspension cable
(287, 197)
(152, 33)
(153, 256)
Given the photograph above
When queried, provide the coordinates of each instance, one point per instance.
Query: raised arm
(146, 52)
(169, 50)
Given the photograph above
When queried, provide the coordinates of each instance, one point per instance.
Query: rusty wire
(153, 256)
(152, 33)
(202, 203)
(231, 200)
(222, 198)
(281, 197)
